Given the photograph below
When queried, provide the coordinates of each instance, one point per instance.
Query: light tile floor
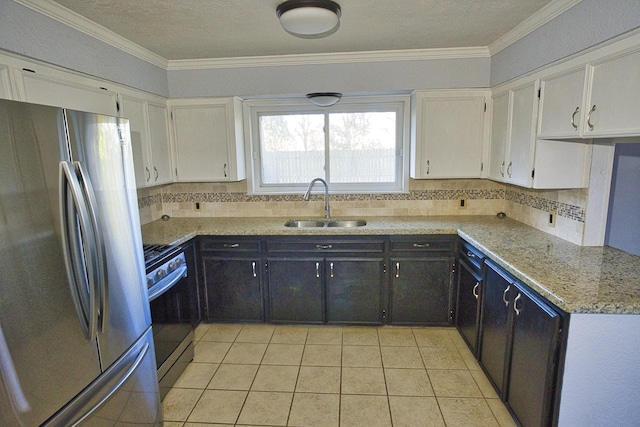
(268, 375)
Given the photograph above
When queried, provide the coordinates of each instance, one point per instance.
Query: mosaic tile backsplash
(425, 197)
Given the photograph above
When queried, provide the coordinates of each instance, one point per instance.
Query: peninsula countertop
(577, 279)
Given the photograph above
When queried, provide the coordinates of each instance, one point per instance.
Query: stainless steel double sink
(312, 223)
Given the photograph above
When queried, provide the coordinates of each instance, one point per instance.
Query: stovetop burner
(153, 252)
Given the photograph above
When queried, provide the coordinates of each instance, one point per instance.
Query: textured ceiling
(198, 29)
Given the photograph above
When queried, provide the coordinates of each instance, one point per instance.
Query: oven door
(171, 319)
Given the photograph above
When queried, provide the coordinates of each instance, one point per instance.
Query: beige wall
(425, 198)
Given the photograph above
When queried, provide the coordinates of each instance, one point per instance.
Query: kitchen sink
(297, 223)
(308, 223)
(347, 223)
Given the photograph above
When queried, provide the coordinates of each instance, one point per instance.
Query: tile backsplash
(425, 197)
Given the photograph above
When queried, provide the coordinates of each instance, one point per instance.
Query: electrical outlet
(462, 203)
(197, 205)
(552, 218)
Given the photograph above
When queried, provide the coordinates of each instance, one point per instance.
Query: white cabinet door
(50, 90)
(448, 134)
(499, 136)
(135, 110)
(613, 107)
(561, 105)
(159, 143)
(208, 140)
(524, 111)
(5, 83)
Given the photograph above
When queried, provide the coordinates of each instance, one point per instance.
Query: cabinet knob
(573, 119)
(589, 116)
(504, 296)
(475, 290)
(515, 304)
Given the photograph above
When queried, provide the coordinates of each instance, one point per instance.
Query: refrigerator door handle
(100, 391)
(101, 269)
(78, 241)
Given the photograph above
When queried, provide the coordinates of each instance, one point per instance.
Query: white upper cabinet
(513, 135)
(5, 83)
(208, 139)
(517, 157)
(499, 136)
(614, 97)
(448, 129)
(597, 101)
(149, 139)
(159, 142)
(48, 86)
(561, 105)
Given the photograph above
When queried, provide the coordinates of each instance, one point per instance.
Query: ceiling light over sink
(324, 99)
(310, 19)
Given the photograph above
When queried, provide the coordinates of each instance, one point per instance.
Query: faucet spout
(307, 194)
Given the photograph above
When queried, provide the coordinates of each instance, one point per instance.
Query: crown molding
(329, 58)
(532, 23)
(78, 22)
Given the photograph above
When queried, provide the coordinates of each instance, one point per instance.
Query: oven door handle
(167, 283)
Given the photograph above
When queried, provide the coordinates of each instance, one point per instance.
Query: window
(357, 145)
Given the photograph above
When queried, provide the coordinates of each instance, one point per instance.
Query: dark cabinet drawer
(472, 256)
(418, 244)
(231, 244)
(325, 246)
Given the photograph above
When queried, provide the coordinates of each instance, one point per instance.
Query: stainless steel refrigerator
(75, 329)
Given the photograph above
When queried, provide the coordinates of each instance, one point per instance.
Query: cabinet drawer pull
(509, 169)
(156, 173)
(475, 290)
(589, 116)
(148, 173)
(573, 119)
(515, 304)
(317, 269)
(471, 254)
(504, 296)
(502, 169)
(231, 245)
(420, 245)
(253, 266)
(397, 269)
(324, 246)
(428, 167)
(224, 170)
(331, 268)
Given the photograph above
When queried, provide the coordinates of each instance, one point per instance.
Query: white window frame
(253, 109)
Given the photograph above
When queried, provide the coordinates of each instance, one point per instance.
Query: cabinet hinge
(533, 172)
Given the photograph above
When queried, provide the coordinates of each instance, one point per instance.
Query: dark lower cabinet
(530, 387)
(470, 287)
(496, 303)
(520, 341)
(295, 290)
(233, 289)
(231, 277)
(420, 291)
(354, 289)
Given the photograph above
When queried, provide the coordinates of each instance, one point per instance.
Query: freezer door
(101, 155)
(45, 359)
(126, 394)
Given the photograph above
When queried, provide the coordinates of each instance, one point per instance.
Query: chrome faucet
(326, 195)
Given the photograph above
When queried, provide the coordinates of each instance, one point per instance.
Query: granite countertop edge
(576, 279)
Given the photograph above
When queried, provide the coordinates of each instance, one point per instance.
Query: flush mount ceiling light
(309, 19)
(324, 99)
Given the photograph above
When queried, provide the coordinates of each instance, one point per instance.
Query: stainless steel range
(172, 317)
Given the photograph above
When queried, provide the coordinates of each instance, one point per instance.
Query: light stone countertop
(574, 278)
